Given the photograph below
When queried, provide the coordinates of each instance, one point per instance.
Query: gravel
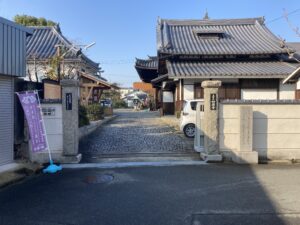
(135, 132)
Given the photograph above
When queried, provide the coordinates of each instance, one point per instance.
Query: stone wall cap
(211, 84)
(69, 83)
(262, 102)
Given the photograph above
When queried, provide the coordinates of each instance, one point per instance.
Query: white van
(188, 117)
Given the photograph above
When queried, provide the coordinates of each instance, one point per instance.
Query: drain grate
(98, 179)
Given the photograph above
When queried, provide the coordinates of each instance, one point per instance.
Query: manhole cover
(98, 179)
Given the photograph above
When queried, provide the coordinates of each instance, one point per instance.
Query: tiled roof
(254, 69)
(97, 79)
(238, 37)
(147, 68)
(41, 45)
(150, 63)
(159, 78)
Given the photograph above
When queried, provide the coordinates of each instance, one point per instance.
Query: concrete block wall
(276, 130)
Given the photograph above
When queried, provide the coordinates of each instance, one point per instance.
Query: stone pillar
(210, 127)
(70, 99)
(198, 141)
(245, 153)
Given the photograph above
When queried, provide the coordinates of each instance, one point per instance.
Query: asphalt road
(181, 195)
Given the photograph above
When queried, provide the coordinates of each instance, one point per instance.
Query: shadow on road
(182, 195)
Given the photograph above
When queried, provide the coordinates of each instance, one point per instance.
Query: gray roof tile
(150, 63)
(41, 45)
(249, 69)
(242, 37)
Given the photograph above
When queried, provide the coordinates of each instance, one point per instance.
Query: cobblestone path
(135, 133)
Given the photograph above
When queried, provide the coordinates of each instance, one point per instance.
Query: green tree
(26, 20)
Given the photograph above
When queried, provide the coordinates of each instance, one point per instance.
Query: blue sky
(125, 29)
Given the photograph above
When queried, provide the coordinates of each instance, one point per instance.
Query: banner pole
(44, 128)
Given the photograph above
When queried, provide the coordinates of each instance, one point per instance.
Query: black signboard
(68, 101)
(213, 101)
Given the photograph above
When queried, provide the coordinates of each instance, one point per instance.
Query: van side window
(193, 105)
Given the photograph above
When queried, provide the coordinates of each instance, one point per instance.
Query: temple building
(50, 56)
(244, 54)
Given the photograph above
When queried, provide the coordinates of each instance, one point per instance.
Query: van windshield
(193, 106)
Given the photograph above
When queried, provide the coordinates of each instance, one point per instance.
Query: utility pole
(58, 52)
(35, 69)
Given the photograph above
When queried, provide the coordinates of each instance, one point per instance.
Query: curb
(132, 164)
(13, 178)
(88, 129)
(18, 173)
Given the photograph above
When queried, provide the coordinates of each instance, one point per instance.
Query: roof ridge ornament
(57, 27)
(206, 17)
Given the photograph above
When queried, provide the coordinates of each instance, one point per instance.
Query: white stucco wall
(259, 94)
(188, 91)
(70, 69)
(298, 84)
(168, 97)
(276, 130)
(287, 91)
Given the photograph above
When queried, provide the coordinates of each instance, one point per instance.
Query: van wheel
(189, 130)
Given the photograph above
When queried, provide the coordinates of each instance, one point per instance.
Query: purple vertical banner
(32, 112)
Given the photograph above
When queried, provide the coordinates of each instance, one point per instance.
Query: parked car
(106, 103)
(188, 117)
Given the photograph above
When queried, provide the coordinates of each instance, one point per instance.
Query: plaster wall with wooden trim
(282, 92)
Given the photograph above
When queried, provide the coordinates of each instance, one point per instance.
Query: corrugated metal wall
(12, 50)
(6, 119)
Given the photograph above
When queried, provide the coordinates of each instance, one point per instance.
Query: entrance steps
(141, 157)
(118, 164)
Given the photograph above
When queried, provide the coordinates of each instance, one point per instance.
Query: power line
(116, 61)
(119, 75)
(281, 17)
